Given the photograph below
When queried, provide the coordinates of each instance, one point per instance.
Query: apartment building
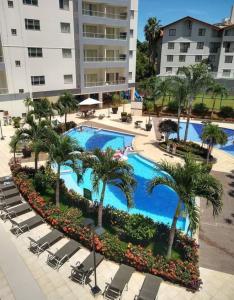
(189, 41)
(85, 47)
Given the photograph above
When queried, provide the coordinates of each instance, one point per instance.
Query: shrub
(226, 112)
(61, 128)
(172, 106)
(168, 127)
(27, 151)
(16, 122)
(139, 229)
(200, 109)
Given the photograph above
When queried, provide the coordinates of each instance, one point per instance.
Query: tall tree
(65, 105)
(217, 90)
(188, 181)
(105, 170)
(15, 139)
(168, 127)
(163, 88)
(213, 135)
(197, 76)
(64, 151)
(42, 109)
(152, 34)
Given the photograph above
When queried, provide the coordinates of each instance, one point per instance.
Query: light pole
(95, 290)
(2, 137)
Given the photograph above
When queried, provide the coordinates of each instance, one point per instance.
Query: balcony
(122, 36)
(105, 83)
(104, 14)
(119, 58)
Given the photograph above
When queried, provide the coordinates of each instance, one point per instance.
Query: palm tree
(152, 33)
(65, 105)
(42, 109)
(162, 89)
(63, 151)
(213, 135)
(15, 139)
(197, 76)
(188, 181)
(217, 89)
(105, 170)
(179, 90)
(39, 134)
(28, 102)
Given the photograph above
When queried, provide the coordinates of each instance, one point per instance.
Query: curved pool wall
(159, 206)
(195, 132)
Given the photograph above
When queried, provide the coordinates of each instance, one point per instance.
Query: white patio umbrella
(89, 102)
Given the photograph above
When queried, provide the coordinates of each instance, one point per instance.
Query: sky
(167, 11)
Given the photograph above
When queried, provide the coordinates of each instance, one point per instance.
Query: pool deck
(56, 285)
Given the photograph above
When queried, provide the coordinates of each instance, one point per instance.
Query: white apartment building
(189, 41)
(48, 47)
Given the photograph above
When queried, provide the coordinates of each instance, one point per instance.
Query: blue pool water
(195, 132)
(160, 205)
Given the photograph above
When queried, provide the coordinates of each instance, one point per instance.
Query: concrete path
(20, 279)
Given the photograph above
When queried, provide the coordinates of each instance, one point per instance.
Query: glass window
(201, 31)
(226, 73)
(67, 53)
(68, 79)
(64, 4)
(17, 63)
(198, 58)
(184, 47)
(182, 58)
(30, 2)
(65, 27)
(200, 45)
(13, 31)
(214, 47)
(21, 91)
(169, 69)
(131, 33)
(228, 59)
(172, 32)
(31, 24)
(10, 4)
(35, 52)
(171, 45)
(38, 80)
(169, 57)
(130, 75)
(211, 58)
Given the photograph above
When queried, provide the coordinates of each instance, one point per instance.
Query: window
(169, 57)
(228, 59)
(131, 33)
(30, 2)
(130, 53)
(226, 73)
(31, 24)
(13, 31)
(64, 4)
(35, 52)
(182, 58)
(67, 53)
(201, 31)
(68, 79)
(229, 32)
(184, 47)
(200, 45)
(17, 63)
(172, 32)
(214, 47)
(21, 91)
(198, 58)
(65, 27)
(169, 70)
(38, 80)
(130, 75)
(132, 14)
(171, 45)
(211, 58)
(10, 4)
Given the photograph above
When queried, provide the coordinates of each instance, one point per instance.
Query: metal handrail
(100, 59)
(102, 83)
(102, 14)
(105, 36)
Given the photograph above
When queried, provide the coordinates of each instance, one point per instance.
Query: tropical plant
(163, 88)
(65, 105)
(197, 76)
(200, 109)
(64, 151)
(168, 127)
(226, 112)
(213, 135)
(105, 170)
(189, 180)
(144, 69)
(116, 100)
(28, 102)
(16, 122)
(217, 90)
(38, 134)
(15, 139)
(152, 34)
(42, 108)
(148, 106)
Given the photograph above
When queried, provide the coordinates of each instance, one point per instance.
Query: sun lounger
(8, 185)
(45, 242)
(18, 228)
(5, 203)
(56, 260)
(81, 271)
(150, 288)
(9, 193)
(5, 179)
(115, 289)
(10, 213)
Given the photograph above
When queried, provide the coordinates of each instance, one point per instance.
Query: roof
(193, 19)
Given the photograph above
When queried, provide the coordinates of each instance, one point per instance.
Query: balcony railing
(3, 91)
(102, 14)
(121, 36)
(104, 59)
(228, 50)
(1, 59)
(104, 83)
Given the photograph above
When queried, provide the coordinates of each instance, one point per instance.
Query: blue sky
(211, 11)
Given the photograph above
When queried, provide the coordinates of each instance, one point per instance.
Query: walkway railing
(102, 83)
(102, 14)
(121, 36)
(104, 59)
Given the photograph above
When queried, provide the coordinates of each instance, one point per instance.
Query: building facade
(189, 41)
(81, 46)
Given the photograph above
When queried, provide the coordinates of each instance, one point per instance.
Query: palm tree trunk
(188, 120)
(65, 120)
(212, 110)
(57, 193)
(14, 156)
(100, 207)
(178, 121)
(36, 161)
(173, 230)
(221, 101)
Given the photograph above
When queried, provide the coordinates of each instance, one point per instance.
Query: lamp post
(2, 137)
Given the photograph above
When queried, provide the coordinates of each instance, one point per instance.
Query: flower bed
(184, 272)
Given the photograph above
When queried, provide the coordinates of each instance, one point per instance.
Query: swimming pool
(195, 132)
(160, 205)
